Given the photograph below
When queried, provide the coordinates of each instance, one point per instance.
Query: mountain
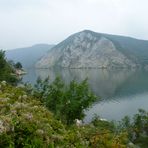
(88, 49)
(28, 56)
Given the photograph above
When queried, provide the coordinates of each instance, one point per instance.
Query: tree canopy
(6, 71)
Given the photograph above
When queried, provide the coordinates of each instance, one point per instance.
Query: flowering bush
(26, 122)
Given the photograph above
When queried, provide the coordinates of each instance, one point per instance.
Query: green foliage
(137, 128)
(103, 124)
(2, 60)
(66, 102)
(6, 71)
(14, 65)
(26, 122)
(77, 98)
(18, 65)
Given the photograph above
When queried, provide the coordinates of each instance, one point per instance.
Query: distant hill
(135, 49)
(28, 56)
(88, 49)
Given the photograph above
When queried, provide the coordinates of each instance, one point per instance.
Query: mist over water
(122, 92)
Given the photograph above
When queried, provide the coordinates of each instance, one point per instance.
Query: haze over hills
(88, 49)
(28, 56)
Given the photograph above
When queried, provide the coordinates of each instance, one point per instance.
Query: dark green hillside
(136, 49)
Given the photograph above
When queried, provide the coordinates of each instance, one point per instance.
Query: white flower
(102, 119)
(35, 107)
(18, 105)
(21, 86)
(68, 102)
(20, 97)
(78, 122)
(13, 111)
(28, 116)
(4, 83)
(2, 128)
(24, 96)
(4, 99)
(40, 132)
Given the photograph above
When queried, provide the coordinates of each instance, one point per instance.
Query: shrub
(25, 122)
(66, 102)
(6, 71)
(137, 128)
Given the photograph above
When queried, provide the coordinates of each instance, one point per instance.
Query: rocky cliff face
(85, 50)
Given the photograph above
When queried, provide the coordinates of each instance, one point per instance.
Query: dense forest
(50, 115)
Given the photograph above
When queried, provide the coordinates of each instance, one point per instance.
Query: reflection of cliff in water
(123, 91)
(137, 83)
(109, 84)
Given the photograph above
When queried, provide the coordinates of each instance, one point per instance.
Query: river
(122, 92)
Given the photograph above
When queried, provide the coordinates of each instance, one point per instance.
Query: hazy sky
(28, 22)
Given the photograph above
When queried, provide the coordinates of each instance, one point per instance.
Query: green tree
(77, 98)
(18, 65)
(6, 71)
(137, 128)
(26, 123)
(66, 102)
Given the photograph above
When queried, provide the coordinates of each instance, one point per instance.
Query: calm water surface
(122, 92)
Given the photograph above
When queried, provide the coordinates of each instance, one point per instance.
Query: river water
(122, 92)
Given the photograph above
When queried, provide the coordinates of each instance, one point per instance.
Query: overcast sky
(27, 22)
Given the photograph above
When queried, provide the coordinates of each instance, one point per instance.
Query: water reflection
(104, 83)
(122, 91)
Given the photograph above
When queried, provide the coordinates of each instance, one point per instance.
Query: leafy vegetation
(14, 65)
(25, 122)
(44, 116)
(137, 128)
(18, 65)
(6, 71)
(66, 102)
(28, 119)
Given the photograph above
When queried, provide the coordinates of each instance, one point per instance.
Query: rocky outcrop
(86, 50)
